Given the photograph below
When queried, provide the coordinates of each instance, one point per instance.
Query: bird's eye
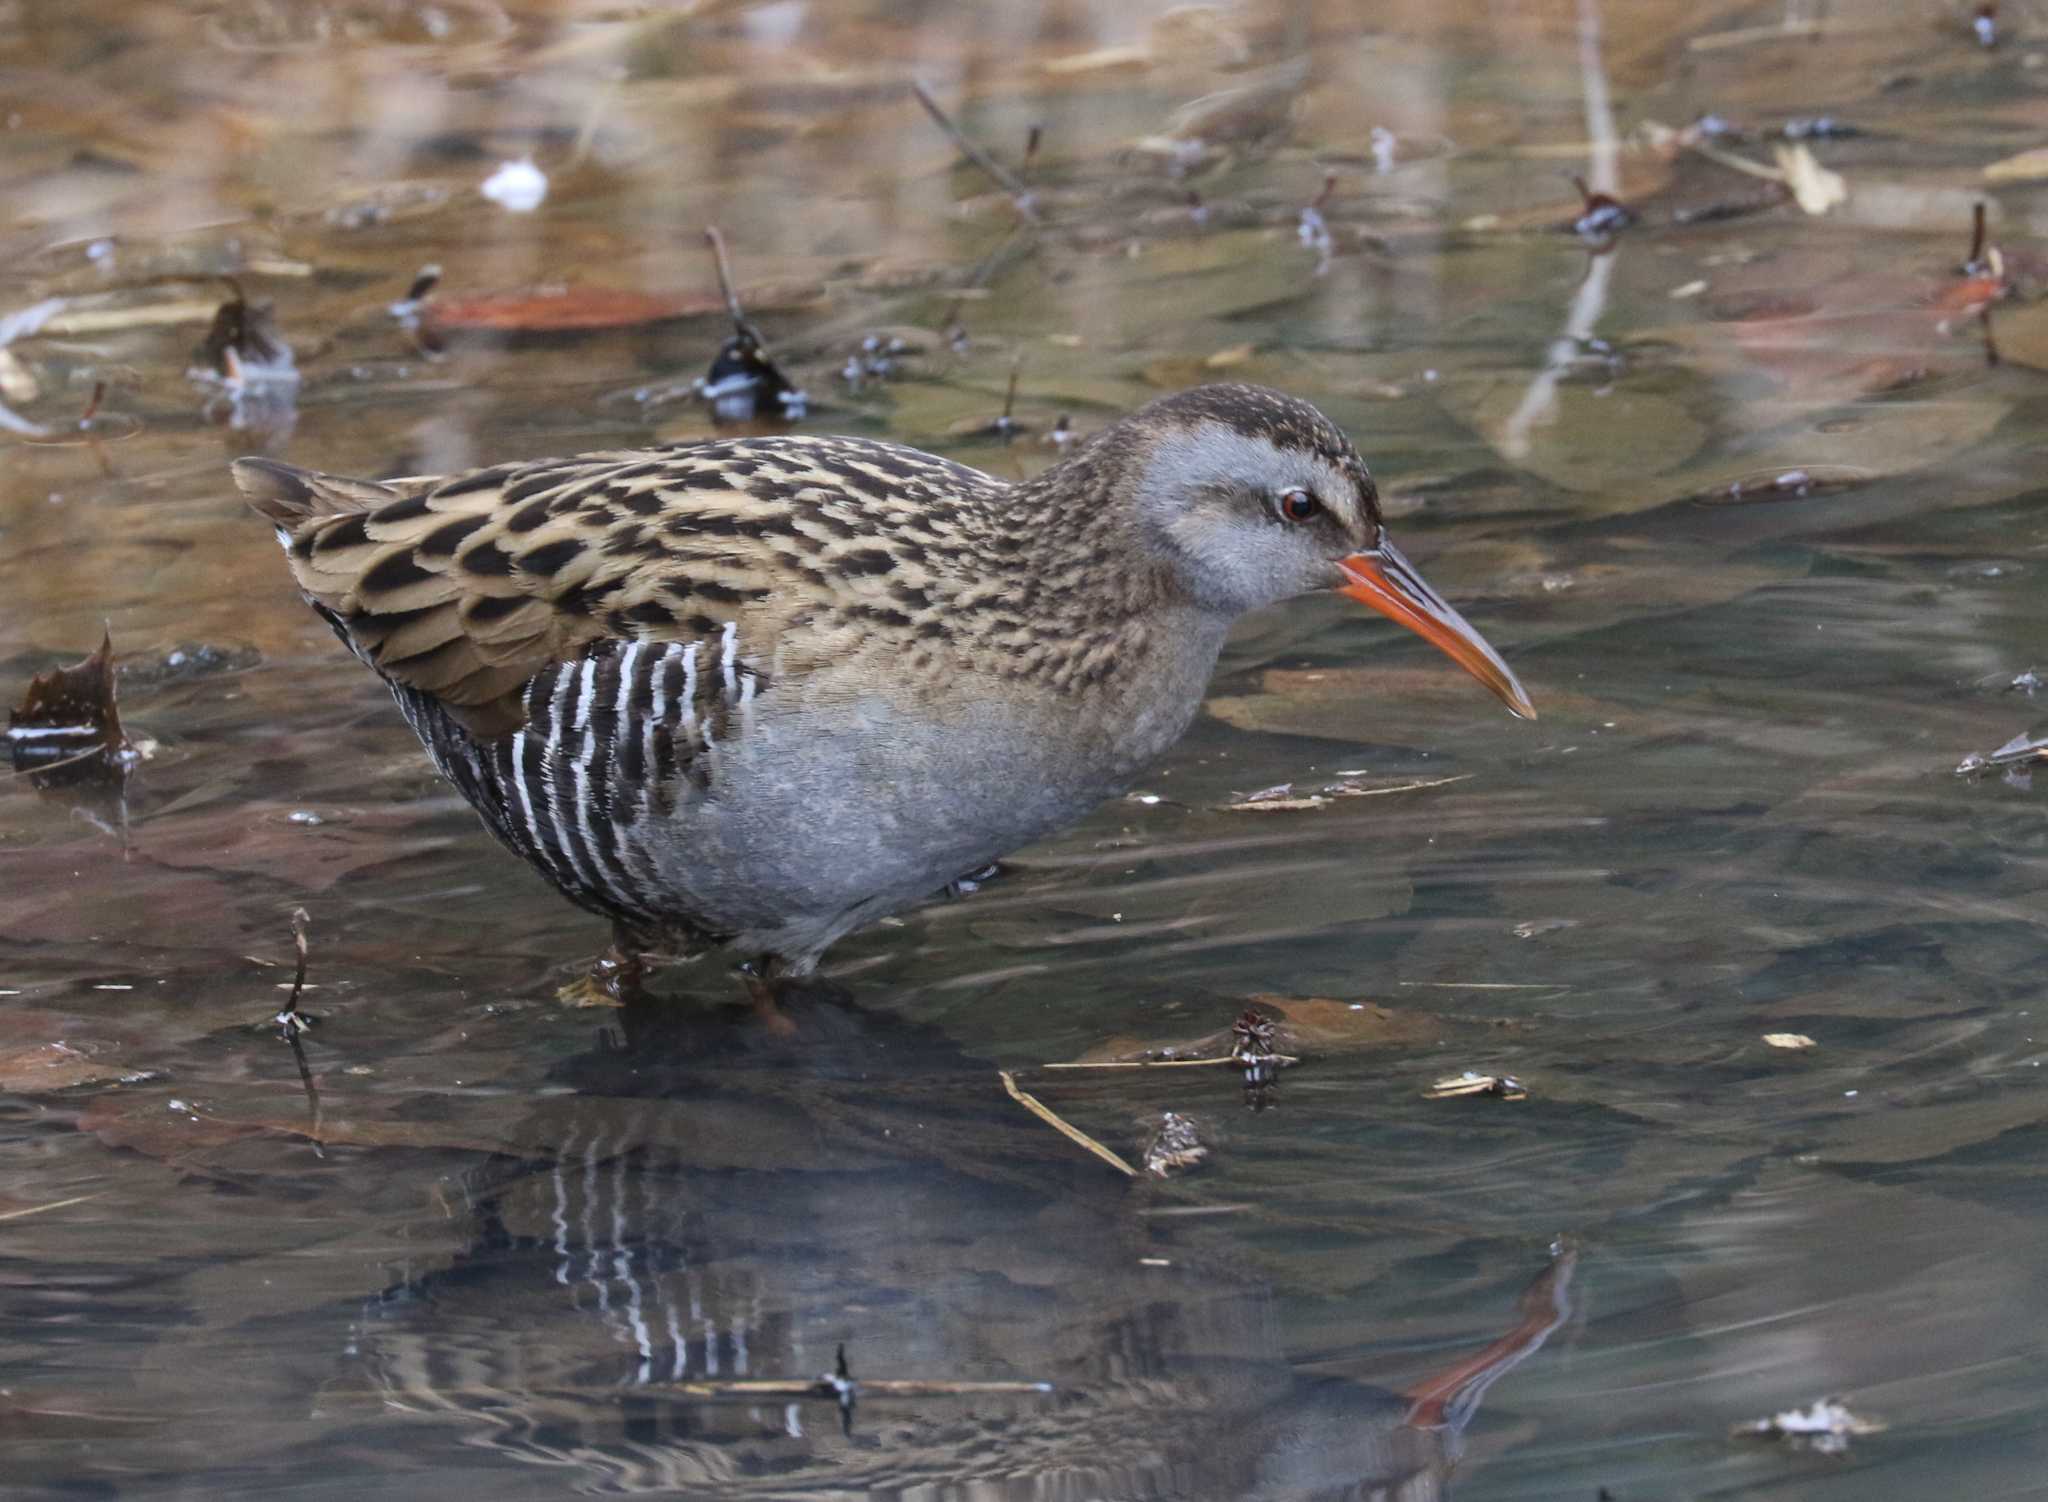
(1299, 505)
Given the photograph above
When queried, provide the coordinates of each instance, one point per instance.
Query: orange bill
(1389, 583)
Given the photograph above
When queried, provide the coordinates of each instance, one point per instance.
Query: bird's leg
(764, 983)
(614, 977)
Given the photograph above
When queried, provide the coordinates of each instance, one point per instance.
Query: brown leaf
(68, 716)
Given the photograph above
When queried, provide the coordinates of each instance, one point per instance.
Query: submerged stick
(1002, 176)
(291, 1022)
(289, 1019)
(772, 1387)
(732, 297)
(1220, 1060)
(1073, 1134)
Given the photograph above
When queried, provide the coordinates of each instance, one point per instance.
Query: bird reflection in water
(709, 1201)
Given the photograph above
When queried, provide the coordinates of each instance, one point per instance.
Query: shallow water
(506, 1224)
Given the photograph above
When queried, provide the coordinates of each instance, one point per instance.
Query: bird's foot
(768, 1013)
(975, 880)
(613, 980)
(772, 992)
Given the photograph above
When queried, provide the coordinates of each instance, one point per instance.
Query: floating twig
(1003, 178)
(1052, 1119)
(1220, 1061)
(838, 1386)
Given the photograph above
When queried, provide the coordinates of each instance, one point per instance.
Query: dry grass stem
(76, 1199)
(1052, 1119)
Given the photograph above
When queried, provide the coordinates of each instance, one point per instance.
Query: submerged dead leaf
(51, 1066)
(178, 1130)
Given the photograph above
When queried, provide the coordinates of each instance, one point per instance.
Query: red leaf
(560, 309)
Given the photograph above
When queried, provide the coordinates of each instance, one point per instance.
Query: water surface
(511, 1223)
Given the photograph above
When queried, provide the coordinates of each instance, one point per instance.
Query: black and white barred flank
(613, 741)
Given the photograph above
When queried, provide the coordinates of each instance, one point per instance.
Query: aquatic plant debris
(744, 381)
(1281, 798)
(1814, 188)
(1602, 216)
(1176, 1146)
(1505, 1086)
(2021, 750)
(518, 187)
(1825, 1429)
(1788, 1040)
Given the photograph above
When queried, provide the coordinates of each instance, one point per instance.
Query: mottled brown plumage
(760, 659)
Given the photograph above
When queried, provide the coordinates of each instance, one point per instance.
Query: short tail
(287, 495)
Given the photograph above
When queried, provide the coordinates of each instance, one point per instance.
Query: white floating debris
(1384, 145)
(1471, 1082)
(1788, 1040)
(1826, 1428)
(518, 186)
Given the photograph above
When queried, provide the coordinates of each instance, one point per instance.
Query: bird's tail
(288, 495)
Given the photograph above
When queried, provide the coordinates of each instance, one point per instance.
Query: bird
(761, 691)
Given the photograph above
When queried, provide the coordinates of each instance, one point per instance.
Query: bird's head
(1254, 497)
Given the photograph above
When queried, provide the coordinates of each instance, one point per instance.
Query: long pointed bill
(1389, 583)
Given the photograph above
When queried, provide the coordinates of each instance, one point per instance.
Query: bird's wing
(465, 587)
